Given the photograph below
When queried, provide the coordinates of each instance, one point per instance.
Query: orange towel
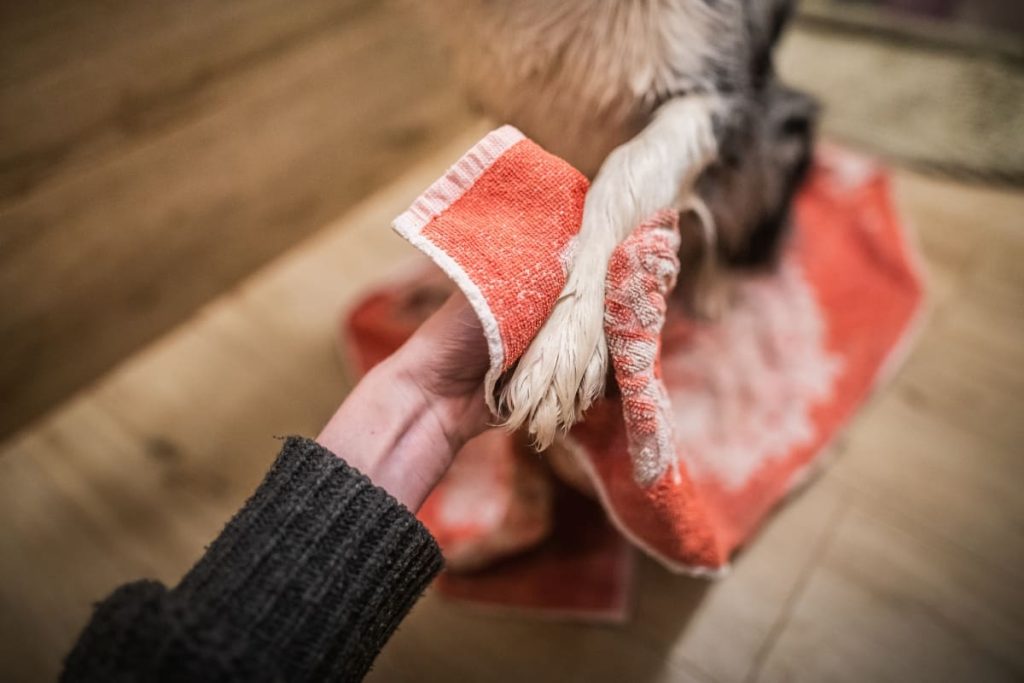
(708, 426)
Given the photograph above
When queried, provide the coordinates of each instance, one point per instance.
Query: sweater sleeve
(306, 582)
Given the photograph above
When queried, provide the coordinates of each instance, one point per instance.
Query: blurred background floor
(154, 156)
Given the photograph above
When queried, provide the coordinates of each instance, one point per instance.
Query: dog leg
(564, 369)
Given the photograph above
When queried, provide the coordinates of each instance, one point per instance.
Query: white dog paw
(562, 371)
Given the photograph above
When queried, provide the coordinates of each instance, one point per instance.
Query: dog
(662, 103)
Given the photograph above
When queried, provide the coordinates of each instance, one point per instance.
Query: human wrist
(389, 429)
(458, 406)
(409, 416)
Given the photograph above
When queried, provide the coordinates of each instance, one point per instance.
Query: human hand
(410, 415)
(447, 359)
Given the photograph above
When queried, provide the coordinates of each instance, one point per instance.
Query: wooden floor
(153, 153)
(904, 562)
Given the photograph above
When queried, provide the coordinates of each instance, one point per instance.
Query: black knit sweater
(307, 582)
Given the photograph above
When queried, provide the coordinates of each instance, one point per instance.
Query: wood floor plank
(81, 515)
(80, 82)
(113, 249)
(892, 604)
(942, 445)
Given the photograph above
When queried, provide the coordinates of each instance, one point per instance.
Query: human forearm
(313, 574)
(306, 582)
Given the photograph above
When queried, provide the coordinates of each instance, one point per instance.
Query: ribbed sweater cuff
(315, 572)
